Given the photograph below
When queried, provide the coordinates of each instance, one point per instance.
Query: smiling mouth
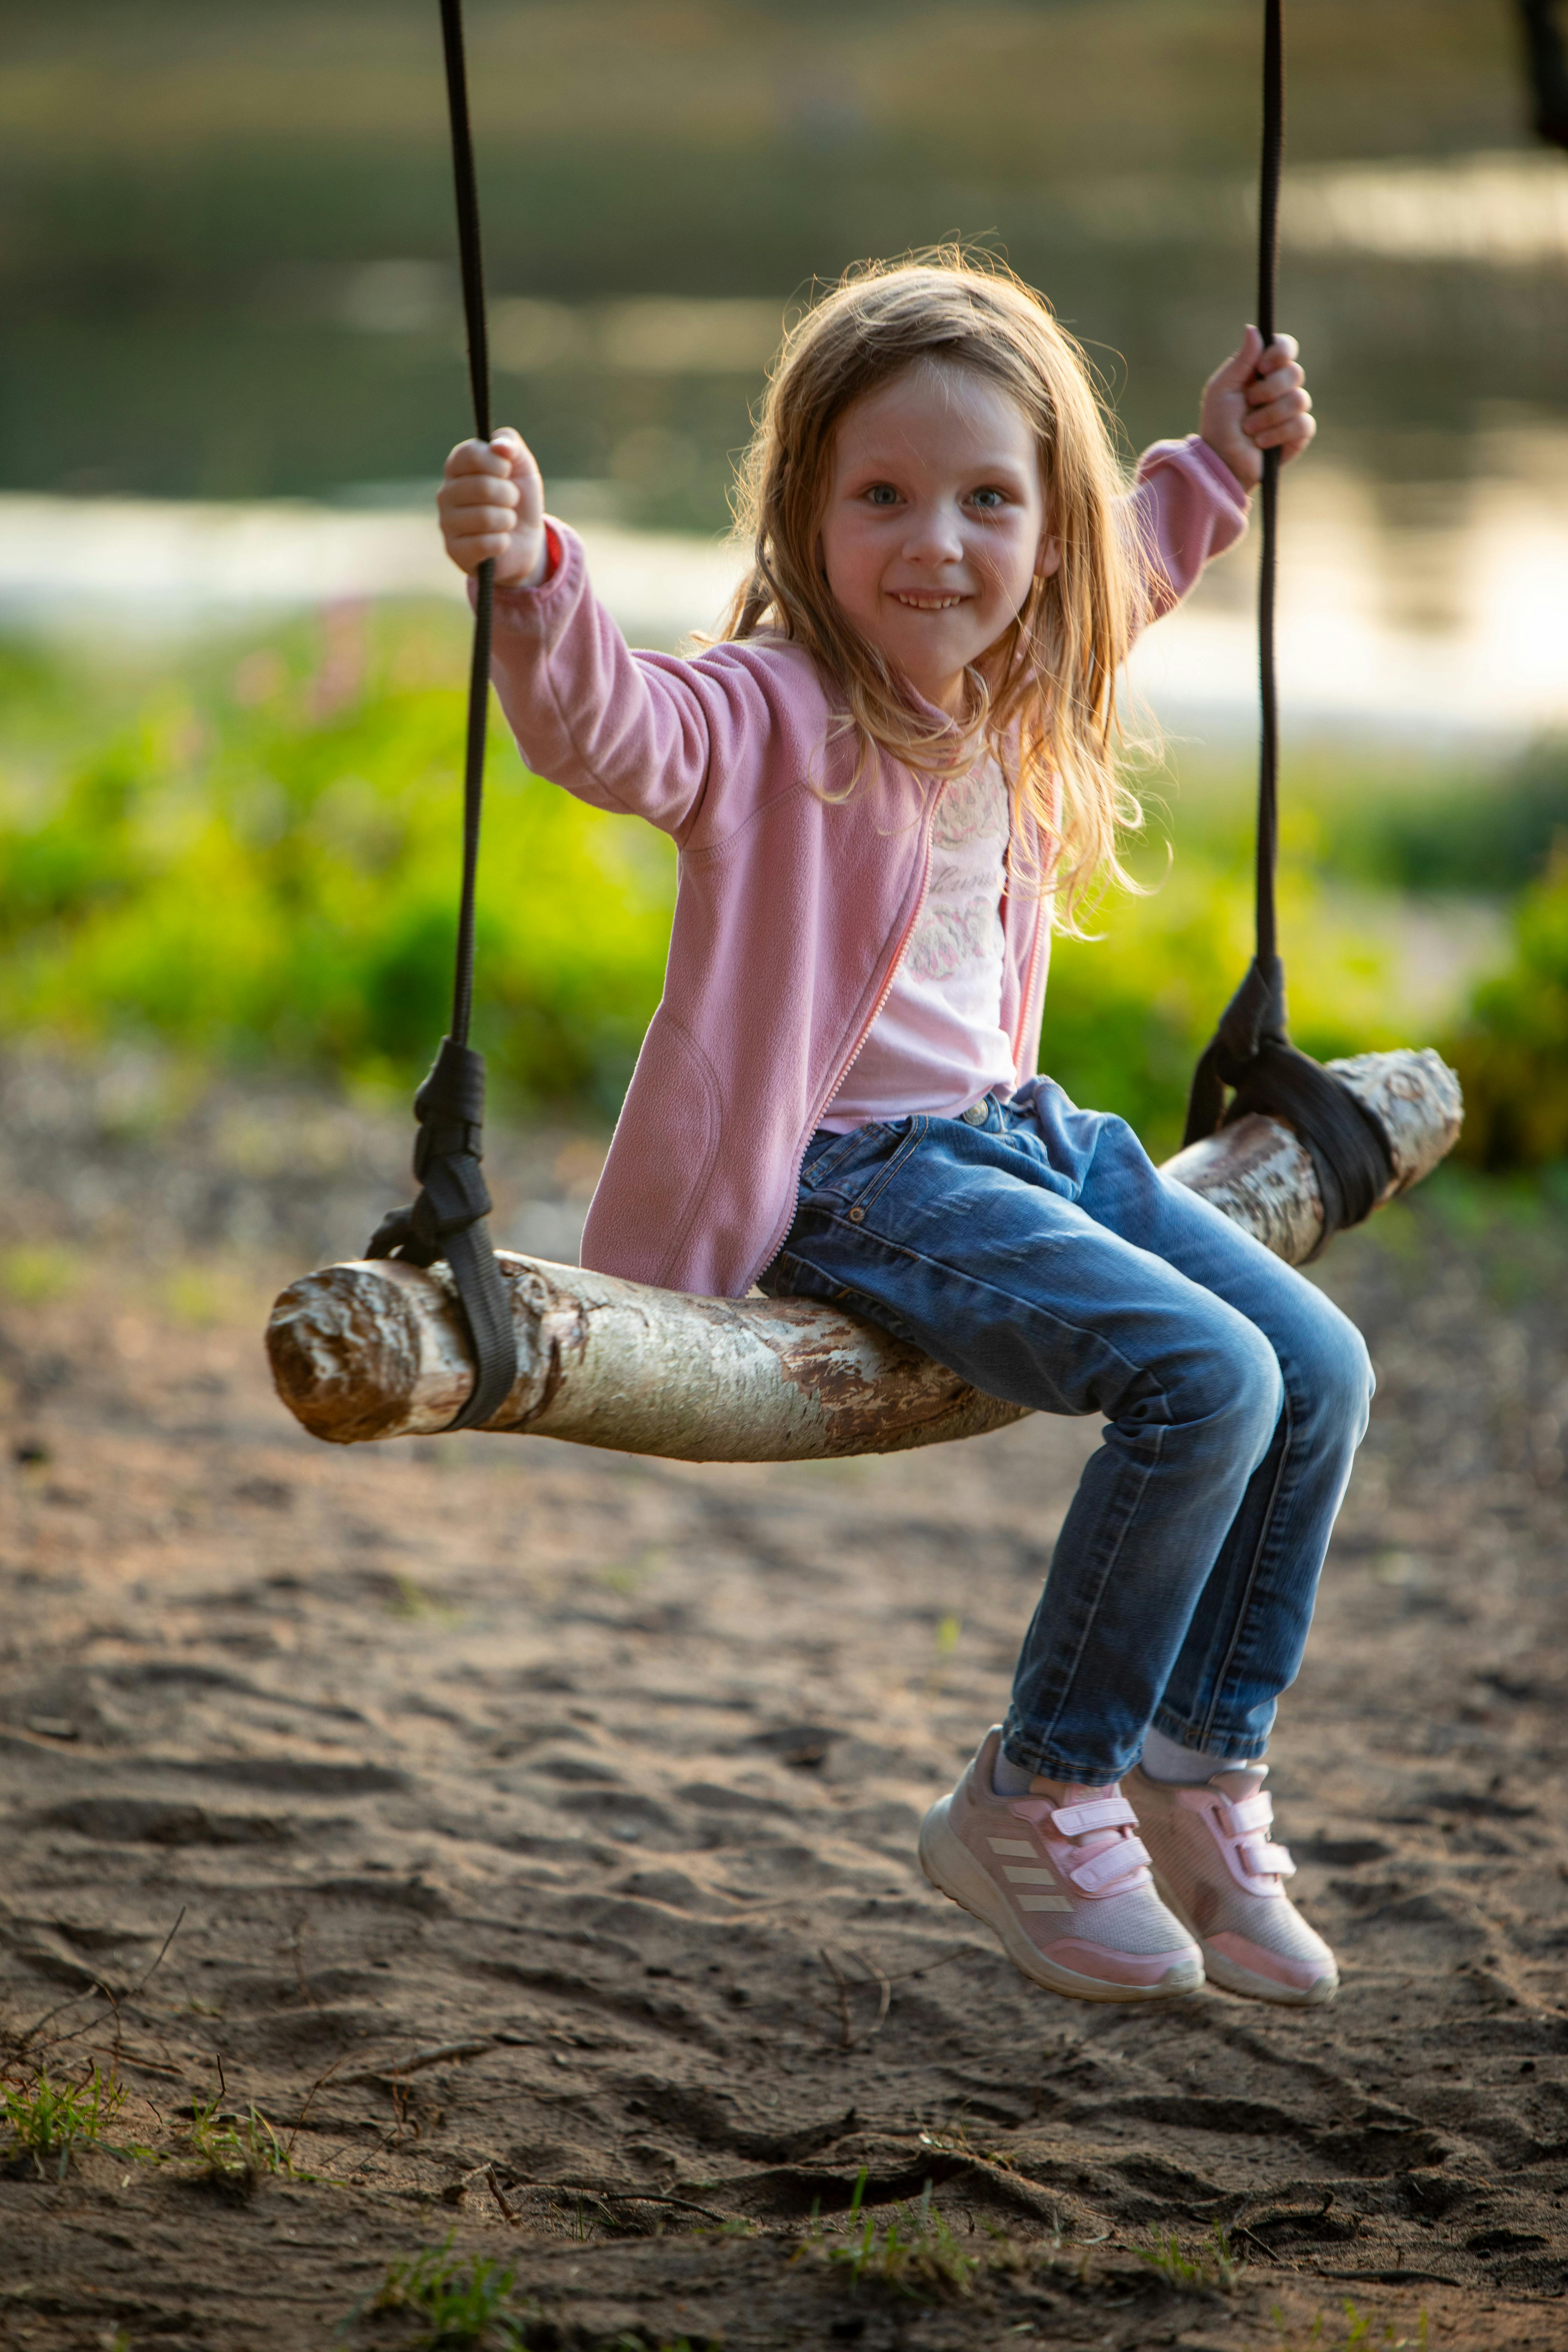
(913, 604)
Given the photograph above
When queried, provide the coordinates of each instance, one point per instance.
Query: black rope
(1546, 61)
(471, 257)
(1268, 566)
(1250, 1052)
(447, 1217)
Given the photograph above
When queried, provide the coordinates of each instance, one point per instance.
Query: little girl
(897, 757)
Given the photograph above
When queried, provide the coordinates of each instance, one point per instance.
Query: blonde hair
(1043, 698)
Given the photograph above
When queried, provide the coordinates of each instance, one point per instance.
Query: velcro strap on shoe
(1262, 1859)
(1098, 1813)
(1249, 1813)
(1117, 1862)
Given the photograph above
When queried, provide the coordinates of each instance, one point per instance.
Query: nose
(933, 536)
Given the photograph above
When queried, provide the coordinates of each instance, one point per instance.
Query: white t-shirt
(938, 1043)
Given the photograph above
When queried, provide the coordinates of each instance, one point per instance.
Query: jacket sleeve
(640, 733)
(1187, 507)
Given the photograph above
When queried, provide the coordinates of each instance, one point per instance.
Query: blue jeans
(1036, 1250)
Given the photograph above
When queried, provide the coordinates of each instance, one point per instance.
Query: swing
(435, 1329)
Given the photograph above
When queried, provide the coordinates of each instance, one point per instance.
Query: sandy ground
(535, 1831)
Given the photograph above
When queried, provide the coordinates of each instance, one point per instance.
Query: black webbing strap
(1250, 1052)
(447, 1217)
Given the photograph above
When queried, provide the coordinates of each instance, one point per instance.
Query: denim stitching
(917, 1258)
(1142, 1474)
(831, 1156)
(920, 1128)
(1245, 1602)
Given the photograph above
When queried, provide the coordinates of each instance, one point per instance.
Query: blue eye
(882, 494)
(989, 500)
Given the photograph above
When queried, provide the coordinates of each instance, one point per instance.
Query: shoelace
(1246, 1820)
(1107, 1861)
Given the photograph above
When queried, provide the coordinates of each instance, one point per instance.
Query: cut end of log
(353, 1358)
(1417, 1098)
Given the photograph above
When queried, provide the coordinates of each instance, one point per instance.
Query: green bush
(1470, 834)
(261, 867)
(1511, 1051)
(248, 875)
(1391, 817)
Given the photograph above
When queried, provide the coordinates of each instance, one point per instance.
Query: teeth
(928, 604)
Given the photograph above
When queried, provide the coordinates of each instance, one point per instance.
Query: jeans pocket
(900, 1139)
(821, 1166)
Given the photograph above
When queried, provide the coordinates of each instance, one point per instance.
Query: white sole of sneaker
(953, 1872)
(1233, 1978)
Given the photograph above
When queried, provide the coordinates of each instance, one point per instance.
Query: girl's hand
(1258, 401)
(492, 504)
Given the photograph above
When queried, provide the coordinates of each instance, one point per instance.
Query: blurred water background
(232, 657)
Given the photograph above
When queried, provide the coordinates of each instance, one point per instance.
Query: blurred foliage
(260, 869)
(1512, 1052)
(264, 867)
(1448, 836)
(1465, 834)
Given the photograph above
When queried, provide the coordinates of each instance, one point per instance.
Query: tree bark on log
(374, 1348)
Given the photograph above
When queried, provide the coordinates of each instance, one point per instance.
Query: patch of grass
(48, 2120)
(461, 2302)
(411, 1602)
(1354, 2335)
(913, 2252)
(1211, 2268)
(237, 2152)
(33, 1276)
(627, 1577)
(194, 1298)
(949, 1633)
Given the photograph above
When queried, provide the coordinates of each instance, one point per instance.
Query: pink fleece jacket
(792, 906)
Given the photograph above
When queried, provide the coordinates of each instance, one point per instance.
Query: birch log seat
(377, 1348)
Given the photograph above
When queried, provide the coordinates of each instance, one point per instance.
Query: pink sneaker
(1223, 1877)
(1061, 1876)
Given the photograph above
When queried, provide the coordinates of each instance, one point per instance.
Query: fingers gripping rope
(447, 1217)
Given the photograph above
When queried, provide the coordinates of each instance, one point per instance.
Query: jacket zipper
(1028, 989)
(887, 989)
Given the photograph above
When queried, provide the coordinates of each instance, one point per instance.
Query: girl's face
(935, 528)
